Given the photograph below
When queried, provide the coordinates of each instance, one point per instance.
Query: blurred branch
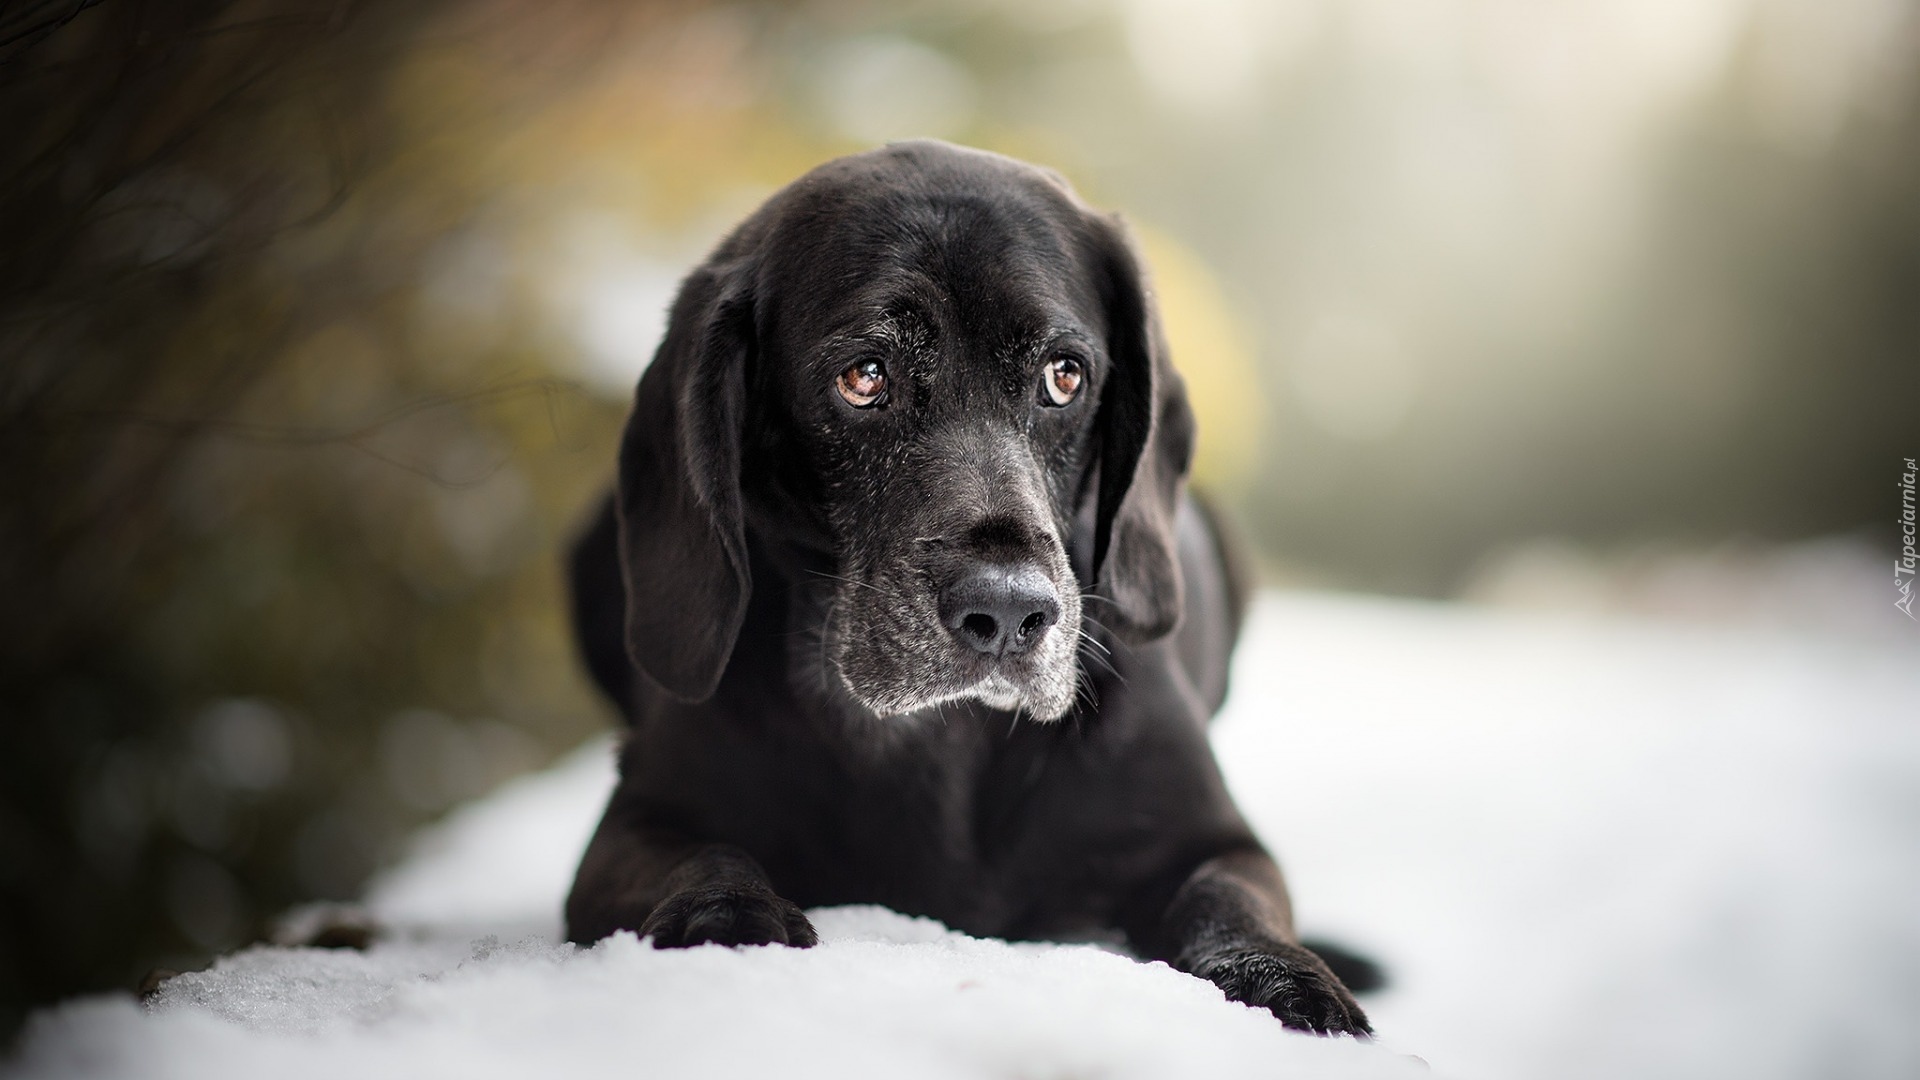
(29, 24)
(356, 436)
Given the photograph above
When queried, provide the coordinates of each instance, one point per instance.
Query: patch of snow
(1581, 846)
(883, 996)
(503, 864)
(1596, 847)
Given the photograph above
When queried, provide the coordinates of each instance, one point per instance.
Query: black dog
(905, 604)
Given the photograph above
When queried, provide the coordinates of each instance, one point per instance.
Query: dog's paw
(728, 915)
(1288, 981)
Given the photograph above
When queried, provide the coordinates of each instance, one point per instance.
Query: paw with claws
(1286, 980)
(728, 915)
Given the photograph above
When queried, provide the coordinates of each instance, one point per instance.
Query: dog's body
(907, 421)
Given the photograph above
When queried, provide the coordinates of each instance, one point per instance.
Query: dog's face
(944, 400)
(936, 371)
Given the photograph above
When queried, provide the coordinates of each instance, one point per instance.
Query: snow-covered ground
(1582, 846)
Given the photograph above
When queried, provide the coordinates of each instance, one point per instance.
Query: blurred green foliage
(317, 319)
(279, 576)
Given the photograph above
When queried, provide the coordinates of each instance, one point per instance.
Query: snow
(1598, 848)
(1581, 846)
(502, 865)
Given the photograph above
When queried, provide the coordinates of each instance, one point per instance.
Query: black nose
(999, 610)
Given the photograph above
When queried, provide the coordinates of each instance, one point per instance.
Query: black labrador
(905, 603)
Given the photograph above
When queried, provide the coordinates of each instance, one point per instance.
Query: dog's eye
(1062, 379)
(864, 385)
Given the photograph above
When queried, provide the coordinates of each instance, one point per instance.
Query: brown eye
(864, 385)
(1061, 380)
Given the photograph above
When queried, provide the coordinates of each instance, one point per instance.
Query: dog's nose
(999, 610)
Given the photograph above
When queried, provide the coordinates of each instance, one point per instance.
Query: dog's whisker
(1110, 669)
(851, 581)
(826, 621)
(1083, 692)
(1084, 636)
(1104, 658)
(1093, 641)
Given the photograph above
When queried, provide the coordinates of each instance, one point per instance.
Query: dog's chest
(989, 826)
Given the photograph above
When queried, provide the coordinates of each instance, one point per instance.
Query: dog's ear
(683, 550)
(1145, 445)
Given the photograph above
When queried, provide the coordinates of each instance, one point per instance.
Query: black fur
(768, 597)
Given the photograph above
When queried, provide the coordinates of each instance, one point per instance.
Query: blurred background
(318, 320)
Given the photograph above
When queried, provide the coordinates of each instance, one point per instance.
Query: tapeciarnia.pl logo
(1904, 566)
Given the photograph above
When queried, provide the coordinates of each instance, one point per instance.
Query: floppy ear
(1144, 433)
(682, 543)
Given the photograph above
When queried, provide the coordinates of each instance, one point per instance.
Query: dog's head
(935, 377)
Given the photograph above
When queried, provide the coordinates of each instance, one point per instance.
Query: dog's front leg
(677, 891)
(1230, 923)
